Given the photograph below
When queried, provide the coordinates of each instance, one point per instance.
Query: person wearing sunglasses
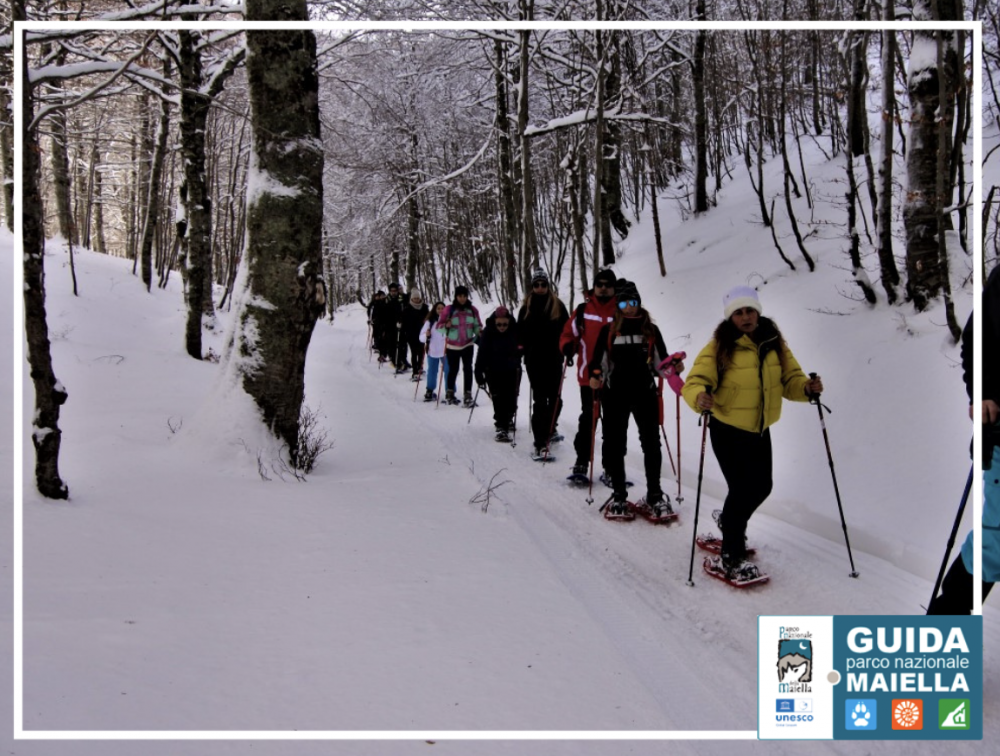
(629, 355)
(498, 367)
(540, 323)
(577, 341)
(740, 377)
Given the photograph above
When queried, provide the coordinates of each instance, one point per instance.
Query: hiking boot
(657, 505)
(467, 400)
(502, 436)
(429, 396)
(619, 505)
(580, 469)
(450, 398)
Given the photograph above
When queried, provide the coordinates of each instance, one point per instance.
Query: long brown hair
(647, 323)
(553, 307)
(726, 335)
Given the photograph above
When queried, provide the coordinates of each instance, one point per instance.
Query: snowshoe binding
(655, 509)
(556, 437)
(742, 575)
(578, 476)
(502, 436)
(467, 401)
(540, 455)
(618, 509)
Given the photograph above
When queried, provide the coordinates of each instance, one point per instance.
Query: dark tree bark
(507, 201)
(529, 240)
(285, 292)
(6, 143)
(930, 94)
(50, 394)
(887, 261)
(152, 217)
(700, 116)
(197, 264)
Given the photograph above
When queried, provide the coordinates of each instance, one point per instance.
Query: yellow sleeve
(704, 374)
(793, 379)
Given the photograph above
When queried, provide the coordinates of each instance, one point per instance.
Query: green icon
(953, 714)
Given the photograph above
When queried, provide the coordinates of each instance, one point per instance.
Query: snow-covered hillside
(177, 590)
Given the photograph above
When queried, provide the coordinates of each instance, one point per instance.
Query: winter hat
(538, 275)
(501, 312)
(738, 297)
(607, 276)
(415, 296)
(625, 290)
(461, 290)
(394, 286)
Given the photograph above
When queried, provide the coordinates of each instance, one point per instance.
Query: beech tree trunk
(285, 292)
(887, 262)
(50, 394)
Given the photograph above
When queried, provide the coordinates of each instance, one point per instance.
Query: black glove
(569, 350)
(480, 379)
(569, 361)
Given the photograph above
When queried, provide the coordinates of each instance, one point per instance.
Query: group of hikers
(621, 363)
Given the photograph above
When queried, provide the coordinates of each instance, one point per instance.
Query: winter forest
(205, 213)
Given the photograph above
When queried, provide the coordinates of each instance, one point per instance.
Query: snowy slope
(176, 590)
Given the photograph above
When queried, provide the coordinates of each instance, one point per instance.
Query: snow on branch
(94, 91)
(589, 115)
(442, 179)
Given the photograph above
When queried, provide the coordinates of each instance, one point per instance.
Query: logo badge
(862, 714)
(953, 714)
(785, 704)
(795, 661)
(907, 714)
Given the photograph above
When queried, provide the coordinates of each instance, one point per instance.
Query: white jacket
(436, 347)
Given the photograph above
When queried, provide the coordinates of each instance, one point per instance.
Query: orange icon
(907, 714)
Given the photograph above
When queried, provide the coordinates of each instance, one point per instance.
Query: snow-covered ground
(177, 590)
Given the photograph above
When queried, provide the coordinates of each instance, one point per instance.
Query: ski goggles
(628, 303)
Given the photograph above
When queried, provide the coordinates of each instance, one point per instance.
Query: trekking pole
(517, 403)
(705, 415)
(593, 439)
(836, 489)
(370, 343)
(954, 532)
(399, 338)
(440, 383)
(555, 410)
(474, 404)
(416, 388)
(679, 497)
(663, 431)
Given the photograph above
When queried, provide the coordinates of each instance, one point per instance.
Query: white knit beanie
(738, 297)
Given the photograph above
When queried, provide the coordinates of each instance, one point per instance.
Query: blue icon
(785, 704)
(862, 714)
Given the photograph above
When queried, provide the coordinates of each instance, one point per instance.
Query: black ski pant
(746, 462)
(465, 355)
(956, 591)
(398, 347)
(417, 352)
(585, 431)
(544, 380)
(503, 389)
(644, 406)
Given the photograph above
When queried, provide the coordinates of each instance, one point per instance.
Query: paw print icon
(861, 714)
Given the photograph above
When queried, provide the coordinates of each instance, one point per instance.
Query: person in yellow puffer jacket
(741, 376)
